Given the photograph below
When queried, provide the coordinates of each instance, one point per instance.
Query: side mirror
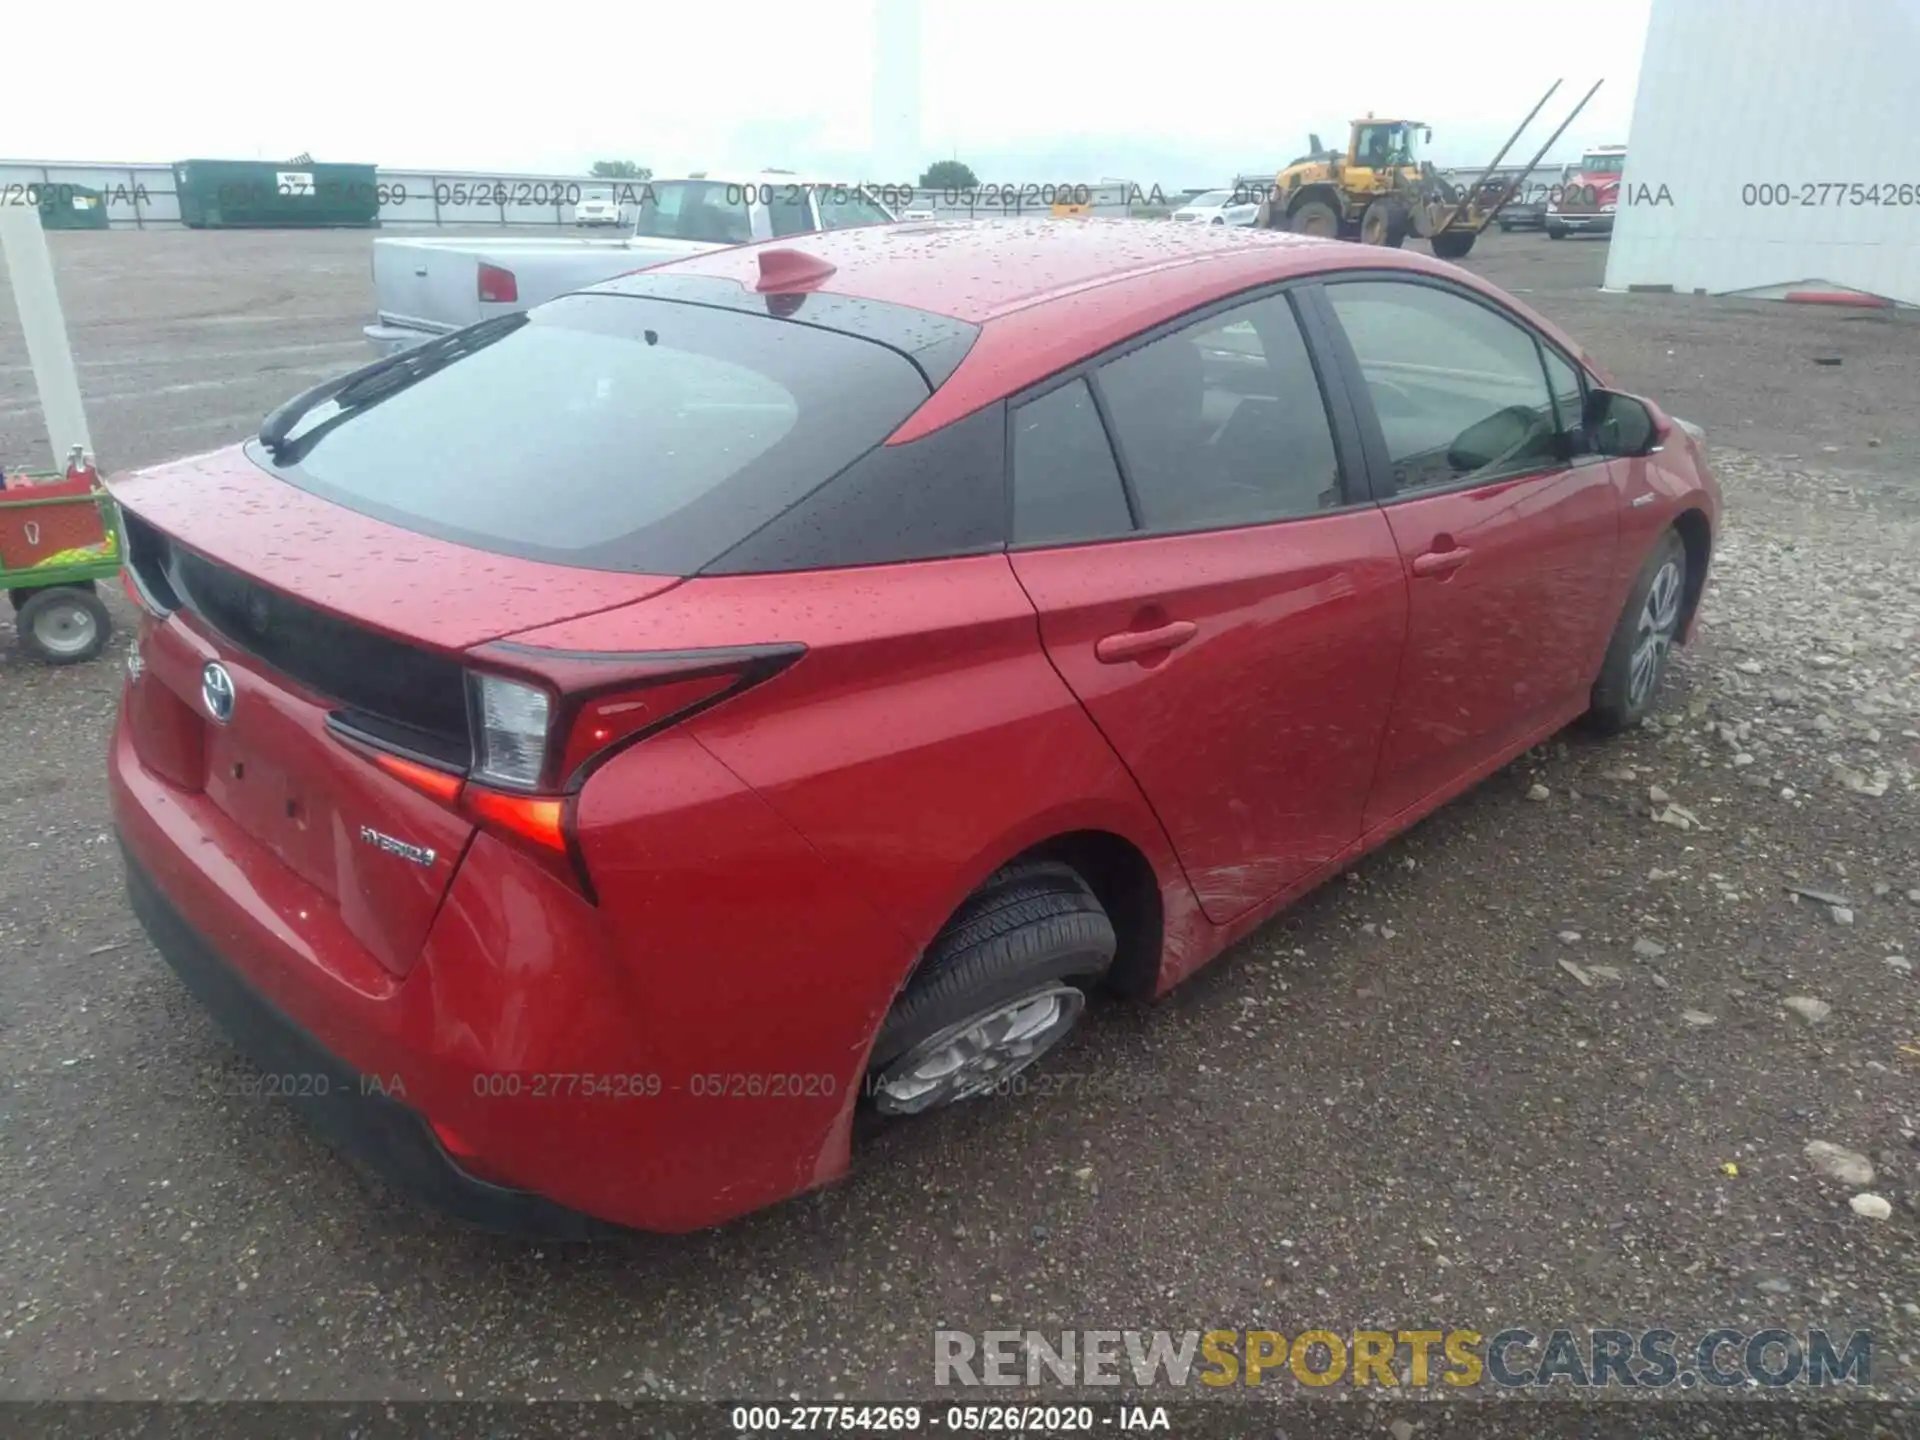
(1619, 425)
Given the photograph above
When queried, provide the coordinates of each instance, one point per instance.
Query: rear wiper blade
(383, 377)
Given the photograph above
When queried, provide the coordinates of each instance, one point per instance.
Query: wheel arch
(1117, 868)
(1696, 533)
(1122, 879)
(1325, 193)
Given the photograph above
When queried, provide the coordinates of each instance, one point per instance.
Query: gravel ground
(1552, 1058)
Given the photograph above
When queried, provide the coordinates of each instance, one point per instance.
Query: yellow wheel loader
(1379, 191)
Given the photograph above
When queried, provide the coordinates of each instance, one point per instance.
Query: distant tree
(620, 170)
(949, 175)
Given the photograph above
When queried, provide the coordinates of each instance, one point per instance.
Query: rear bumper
(1582, 224)
(347, 1108)
(392, 339)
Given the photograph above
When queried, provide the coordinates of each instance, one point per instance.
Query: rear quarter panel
(923, 739)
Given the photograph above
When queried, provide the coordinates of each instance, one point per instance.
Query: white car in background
(1218, 207)
(597, 209)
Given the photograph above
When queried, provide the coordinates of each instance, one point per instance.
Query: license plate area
(265, 798)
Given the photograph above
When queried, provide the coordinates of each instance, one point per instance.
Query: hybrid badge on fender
(419, 854)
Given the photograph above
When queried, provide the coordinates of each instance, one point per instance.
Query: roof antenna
(789, 270)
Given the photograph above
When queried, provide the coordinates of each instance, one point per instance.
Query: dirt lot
(1504, 1073)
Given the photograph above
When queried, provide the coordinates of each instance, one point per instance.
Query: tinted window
(1065, 483)
(612, 432)
(1459, 390)
(943, 494)
(705, 210)
(1222, 423)
(789, 210)
(841, 208)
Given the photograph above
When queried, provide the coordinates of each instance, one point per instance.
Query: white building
(1775, 150)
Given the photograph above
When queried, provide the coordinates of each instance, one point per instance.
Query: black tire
(1385, 223)
(1315, 217)
(63, 625)
(1026, 926)
(1615, 706)
(1452, 244)
(1555, 232)
(18, 598)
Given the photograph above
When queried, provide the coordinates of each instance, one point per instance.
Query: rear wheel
(1001, 985)
(1452, 244)
(1636, 659)
(63, 625)
(1315, 217)
(1385, 223)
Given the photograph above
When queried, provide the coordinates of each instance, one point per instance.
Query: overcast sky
(1179, 94)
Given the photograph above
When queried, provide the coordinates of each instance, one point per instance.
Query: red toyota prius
(586, 759)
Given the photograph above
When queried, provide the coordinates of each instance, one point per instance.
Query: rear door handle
(1132, 644)
(1441, 562)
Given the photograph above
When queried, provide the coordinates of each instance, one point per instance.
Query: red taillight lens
(497, 286)
(604, 721)
(544, 720)
(441, 785)
(536, 819)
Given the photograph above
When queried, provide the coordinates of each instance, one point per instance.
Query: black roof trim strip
(936, 344)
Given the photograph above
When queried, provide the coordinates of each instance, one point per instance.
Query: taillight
(543, 721)
(497, 286)
(510, 722)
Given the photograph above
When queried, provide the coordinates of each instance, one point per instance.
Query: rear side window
(788, 210)
(842, 208)
(1066, 486)
(704, 210)
(610, 432)
(1222, 423)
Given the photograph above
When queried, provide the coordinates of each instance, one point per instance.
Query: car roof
(977, 270)
(1047, 293)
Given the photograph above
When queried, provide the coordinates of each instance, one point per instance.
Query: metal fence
(141, 197)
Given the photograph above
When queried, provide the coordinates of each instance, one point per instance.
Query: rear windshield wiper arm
(383, 377)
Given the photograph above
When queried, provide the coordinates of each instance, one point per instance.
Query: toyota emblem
(216, 690)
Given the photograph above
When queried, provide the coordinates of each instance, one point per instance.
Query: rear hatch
(338, 636)
(342, 569)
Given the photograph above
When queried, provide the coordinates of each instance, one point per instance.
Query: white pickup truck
(431, 285)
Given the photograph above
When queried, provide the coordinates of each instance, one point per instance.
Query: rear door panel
(1254, 736)
(1255, 742)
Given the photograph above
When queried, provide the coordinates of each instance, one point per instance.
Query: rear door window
(1066, 486)
(610, 432)
(842, 208)
(703, 210)
(1222, 423)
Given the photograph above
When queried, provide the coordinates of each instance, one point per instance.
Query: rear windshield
(609, 432)
(703, 210)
